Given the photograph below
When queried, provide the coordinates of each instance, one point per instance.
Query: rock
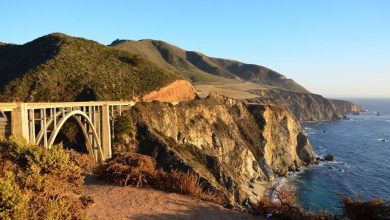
(328, 157)
(305, 150)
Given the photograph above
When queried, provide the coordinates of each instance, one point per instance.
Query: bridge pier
(19, 120)
(106, 132)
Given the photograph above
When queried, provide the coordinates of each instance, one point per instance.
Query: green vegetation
(58, 67)
(38, 183)
(202, 69)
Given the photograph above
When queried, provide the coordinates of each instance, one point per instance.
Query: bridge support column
(106, 132)
(19, 122)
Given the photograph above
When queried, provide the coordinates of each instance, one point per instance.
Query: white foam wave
(382, 140)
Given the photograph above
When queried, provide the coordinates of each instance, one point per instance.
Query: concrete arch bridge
(40, 123)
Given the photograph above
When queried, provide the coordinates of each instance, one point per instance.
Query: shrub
(128, 168)
(49, 182)
(13, 203)
(358, 209)
(85, 161)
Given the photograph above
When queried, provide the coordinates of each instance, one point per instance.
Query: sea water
(361, 148)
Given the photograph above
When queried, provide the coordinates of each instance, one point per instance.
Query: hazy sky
(336, 48)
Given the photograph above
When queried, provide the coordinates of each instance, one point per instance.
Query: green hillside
(202, 69)
(58, 67)
(171, 58)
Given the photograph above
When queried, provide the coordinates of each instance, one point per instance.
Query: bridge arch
(78, 116)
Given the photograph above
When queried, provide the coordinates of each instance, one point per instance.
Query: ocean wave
(382, 140)
(354, 119)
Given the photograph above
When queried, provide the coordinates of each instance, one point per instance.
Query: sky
(337, 48)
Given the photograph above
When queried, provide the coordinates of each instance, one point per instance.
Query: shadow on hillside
(189, 211)
(93, 180)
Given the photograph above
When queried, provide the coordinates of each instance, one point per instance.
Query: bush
(357, 209)
(13, 203)
(128, 168)
(85, 161)
(140, 170)
(49, 182)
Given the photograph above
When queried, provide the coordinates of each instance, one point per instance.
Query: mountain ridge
(57, 67)
(191, 62)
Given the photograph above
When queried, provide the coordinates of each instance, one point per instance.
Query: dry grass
(185, 183)
(140, 170)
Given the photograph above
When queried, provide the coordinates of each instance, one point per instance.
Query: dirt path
(116, 202)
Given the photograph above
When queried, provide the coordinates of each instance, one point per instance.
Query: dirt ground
(116, 202)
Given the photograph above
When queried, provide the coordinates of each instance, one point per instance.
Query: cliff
(304, 106)
(234, 148)
(179, 90)
(347, 106)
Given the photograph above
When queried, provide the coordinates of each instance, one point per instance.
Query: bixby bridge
(40, 123)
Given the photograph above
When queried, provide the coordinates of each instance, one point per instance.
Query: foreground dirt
(116, 202)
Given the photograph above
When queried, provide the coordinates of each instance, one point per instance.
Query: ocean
(361, 148)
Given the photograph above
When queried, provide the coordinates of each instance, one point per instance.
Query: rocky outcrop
(347, 106)
(179, 90)
(304, 106)
(233, 147)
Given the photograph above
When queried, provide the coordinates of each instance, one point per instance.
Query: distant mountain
(57, 67)
(202, 69)
(234, 79)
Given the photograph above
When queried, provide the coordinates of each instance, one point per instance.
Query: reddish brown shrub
(128, 168)
(358, 209)
(85, 161)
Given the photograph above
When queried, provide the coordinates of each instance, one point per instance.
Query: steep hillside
(201, 69)
(58, 67)
(235, 148)
(169, 57)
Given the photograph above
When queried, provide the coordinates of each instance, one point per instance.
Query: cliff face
(304, 106)
(347, 106)
(235, 148)
(179, 90)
